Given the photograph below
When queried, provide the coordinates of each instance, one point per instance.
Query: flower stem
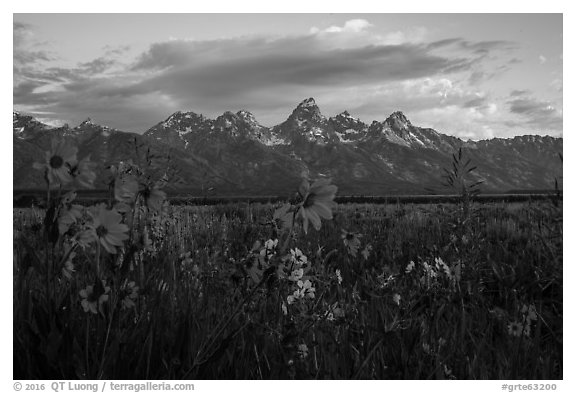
(289, 237)
(105, 344)
(97, 259)
(87, 374)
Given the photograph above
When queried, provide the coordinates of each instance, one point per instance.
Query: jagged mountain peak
(250, 159)
(227, 121)
(87, 122)
(307, 103)
(248, 117)
(180, 114)
(307, 106)
(90, 124)
(307, 110)
(180, 119)
(87, 126)
(346, 117)
(25, 125)
(229, 115)
(398, 121)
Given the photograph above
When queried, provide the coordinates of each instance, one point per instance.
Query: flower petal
(323, 211)
(314, 218)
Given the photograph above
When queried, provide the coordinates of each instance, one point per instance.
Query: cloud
(21, 33)
(439, 103)
(557, 84)
(484, 47)
(478, 102)
(97, 66)
(24, 41)
(114, 50)
(536, 113)
(358, 32)
(228, 69)
(353, 25)
(213, 76)
(517, 93)
(376, 74)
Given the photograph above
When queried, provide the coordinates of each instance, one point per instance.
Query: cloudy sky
(470, 75)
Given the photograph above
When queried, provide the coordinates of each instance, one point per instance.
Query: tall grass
(198, 313)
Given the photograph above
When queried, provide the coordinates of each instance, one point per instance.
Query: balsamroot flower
(351, 242)
(94, 296)
(58, 161)
(84, 236)
(109, 230)
(529, 313)
(515, 329)
(318, 202)
(130, 291)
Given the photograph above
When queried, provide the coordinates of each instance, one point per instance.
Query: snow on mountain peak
(248, 118)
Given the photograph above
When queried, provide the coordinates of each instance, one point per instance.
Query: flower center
(92, 298)
(309, 200)
(56, 162)
(101, 231)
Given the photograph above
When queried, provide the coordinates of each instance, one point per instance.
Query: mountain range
(235, 155)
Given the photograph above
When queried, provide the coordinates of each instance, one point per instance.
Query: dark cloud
(484, 47)
(517, 93)
(478, 102)
(97, 66)
(537, 113)
(23, 42)
(112, 50)
(480, 76)
(477, 47)
(20, 32)
(227, 70)
(23, 91)
(444, 43)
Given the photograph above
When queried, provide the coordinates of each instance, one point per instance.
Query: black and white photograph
(287, 196)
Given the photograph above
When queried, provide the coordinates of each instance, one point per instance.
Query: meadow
(243, 291)
(132, 287)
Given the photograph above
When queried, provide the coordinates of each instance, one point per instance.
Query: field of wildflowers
(138, 289)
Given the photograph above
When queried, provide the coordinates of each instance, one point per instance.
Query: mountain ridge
(234, 153)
